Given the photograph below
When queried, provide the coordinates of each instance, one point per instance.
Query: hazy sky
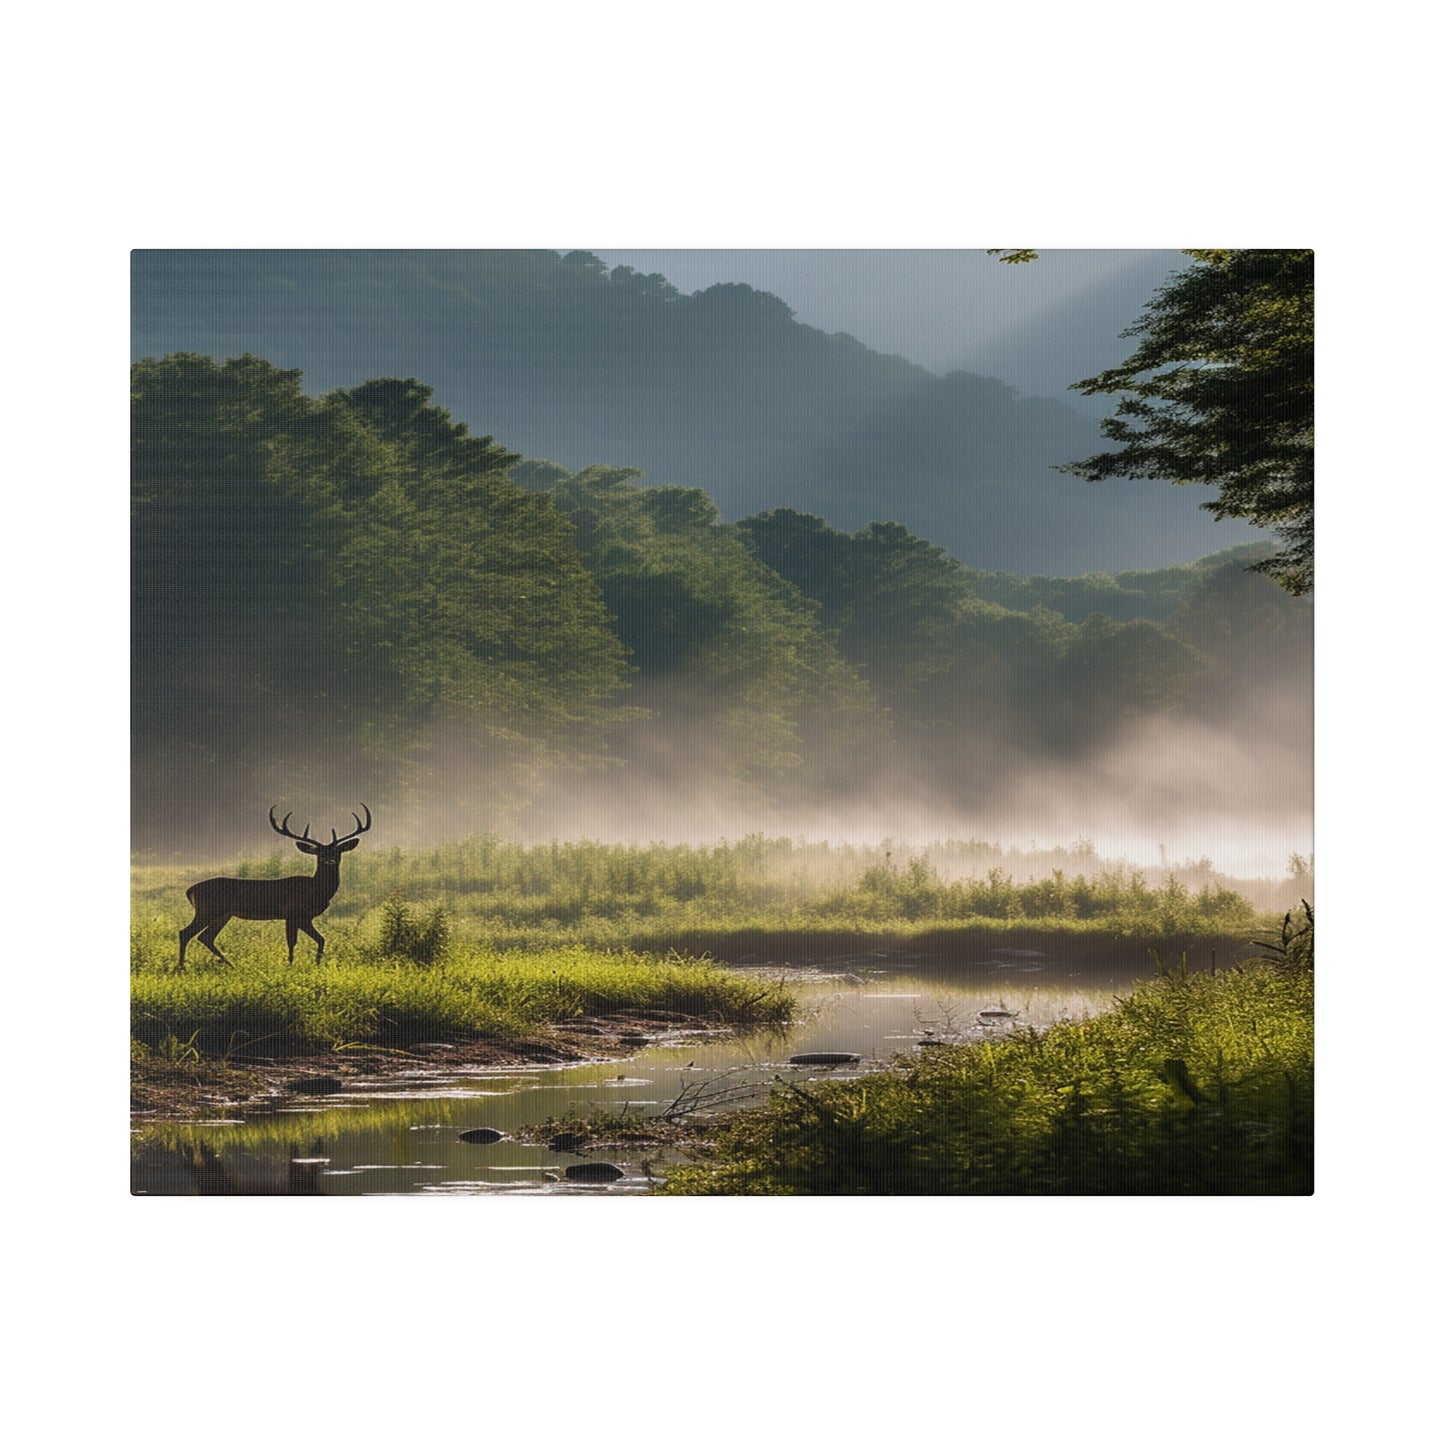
(1038, 327)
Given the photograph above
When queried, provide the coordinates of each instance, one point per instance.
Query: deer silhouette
(296, 900)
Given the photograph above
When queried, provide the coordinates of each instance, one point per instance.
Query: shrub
(403, 936)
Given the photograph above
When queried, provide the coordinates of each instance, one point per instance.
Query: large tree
(1221, 390)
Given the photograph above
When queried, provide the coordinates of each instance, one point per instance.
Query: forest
(351, 595)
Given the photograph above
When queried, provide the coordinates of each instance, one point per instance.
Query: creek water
(401, 1134)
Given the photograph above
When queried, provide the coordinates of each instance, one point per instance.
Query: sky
(1039, 327)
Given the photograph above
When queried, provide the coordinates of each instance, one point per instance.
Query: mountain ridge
(560, 356)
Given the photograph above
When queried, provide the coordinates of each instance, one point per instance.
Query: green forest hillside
(352, 596)
(723, 389)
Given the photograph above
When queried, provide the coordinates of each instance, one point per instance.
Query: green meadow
(259, 1005)
(490, 939)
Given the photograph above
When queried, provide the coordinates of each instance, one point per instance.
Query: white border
(161, 125)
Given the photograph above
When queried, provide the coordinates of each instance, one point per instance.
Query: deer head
(324, 853)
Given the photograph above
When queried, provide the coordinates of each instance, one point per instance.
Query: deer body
(296, 901)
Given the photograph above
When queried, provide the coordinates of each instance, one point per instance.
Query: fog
(1164, 794)
(729, 393)
(1137, 803)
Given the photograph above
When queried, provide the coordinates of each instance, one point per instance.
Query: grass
(263, 1006)
(485, 938)
(278, 1133)
(1194, 1084)
(663, 896)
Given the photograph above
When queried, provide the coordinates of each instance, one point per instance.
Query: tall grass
(1195, 1084)
(264, 1007)
(621, 895)
(487, 937)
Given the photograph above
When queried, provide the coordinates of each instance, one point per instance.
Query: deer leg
(291, 926)
(208, 937)
(309, 930)
(188, 933)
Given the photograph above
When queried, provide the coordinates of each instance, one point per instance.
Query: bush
(402, 936)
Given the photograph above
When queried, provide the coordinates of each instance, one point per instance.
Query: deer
(297, 900)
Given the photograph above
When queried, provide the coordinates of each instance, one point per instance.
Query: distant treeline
(351, 596)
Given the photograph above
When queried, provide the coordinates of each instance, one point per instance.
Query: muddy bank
(167, 1091)
(164, 1090)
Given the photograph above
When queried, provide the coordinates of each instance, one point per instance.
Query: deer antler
(285, 832)
(305, 836)
(358, 830)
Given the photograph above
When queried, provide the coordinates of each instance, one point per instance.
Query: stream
(402, 1134)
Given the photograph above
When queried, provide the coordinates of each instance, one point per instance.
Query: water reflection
(402, 1135)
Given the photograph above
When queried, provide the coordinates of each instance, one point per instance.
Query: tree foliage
(731, 660)
(892, 598)
(329, 590)
(352, 597)
(972, 684)
(1220, 390)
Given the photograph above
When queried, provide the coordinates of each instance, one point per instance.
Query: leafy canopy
(328, 590)
(718, 638)
(1221, 390)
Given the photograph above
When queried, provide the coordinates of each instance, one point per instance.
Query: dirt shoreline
(167, 1091)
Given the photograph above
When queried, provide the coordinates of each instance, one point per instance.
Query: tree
(1221, 391)
(346, 596)
(244, 678)
(971, 684)
(523, 664)
(892, 598)
(1112, 672)
(738, 677)
(1258, 640)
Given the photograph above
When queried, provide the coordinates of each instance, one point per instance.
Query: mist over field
(1169, 789)
(541, 547)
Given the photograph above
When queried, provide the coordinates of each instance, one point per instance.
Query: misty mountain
(1045, 325)
(562, 357)
(351, 595)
